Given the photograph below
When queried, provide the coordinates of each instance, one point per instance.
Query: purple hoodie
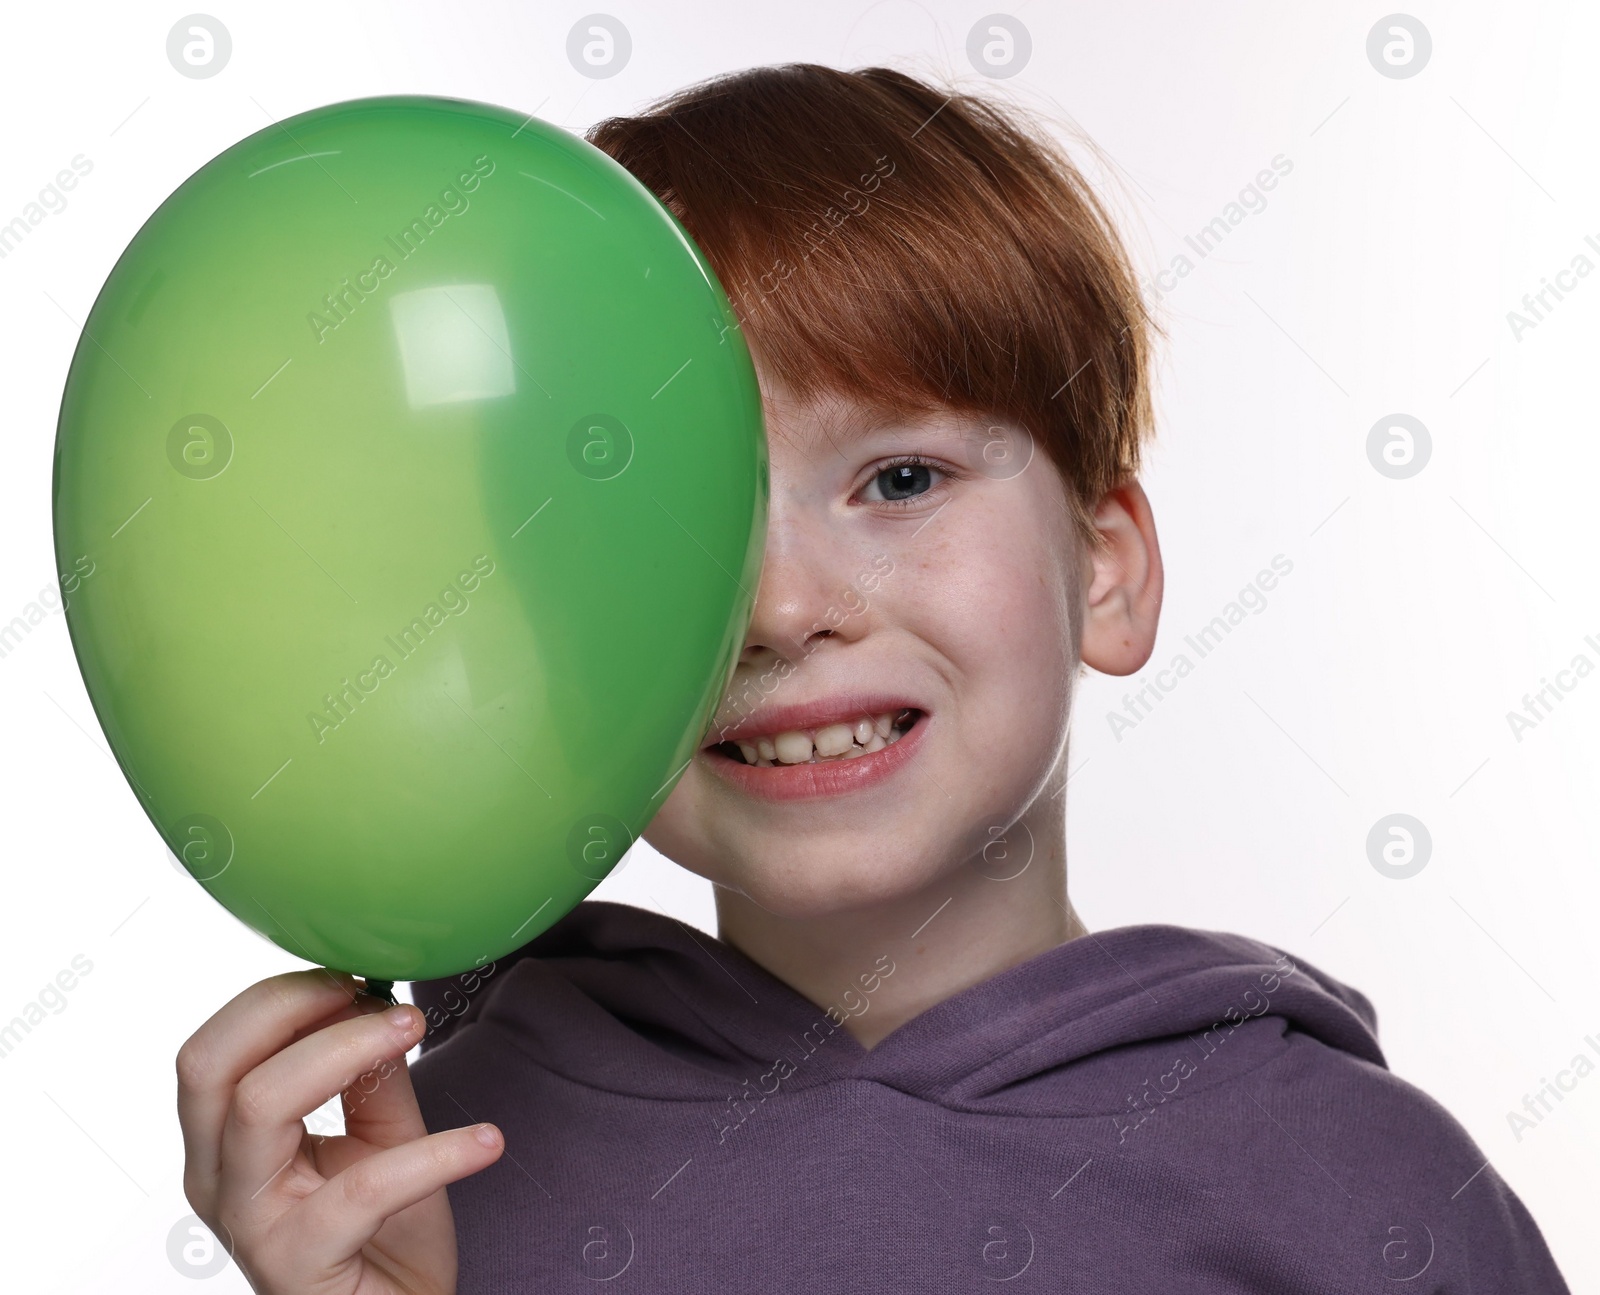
(1146, 1109)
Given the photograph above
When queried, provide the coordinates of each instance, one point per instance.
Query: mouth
(828, 747)
(838, 741)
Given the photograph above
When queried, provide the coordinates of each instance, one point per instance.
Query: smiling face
(923, 563)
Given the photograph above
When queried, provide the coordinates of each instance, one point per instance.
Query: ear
(1123, 603)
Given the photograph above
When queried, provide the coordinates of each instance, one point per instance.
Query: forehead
(840, 419)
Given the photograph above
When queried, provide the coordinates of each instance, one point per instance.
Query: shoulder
(1400, 1157)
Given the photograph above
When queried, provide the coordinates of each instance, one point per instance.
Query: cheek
(995, 599)
(699, 830)
(995, 595)
(671, 830)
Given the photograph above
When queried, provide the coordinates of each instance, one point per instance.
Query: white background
(1377, 679)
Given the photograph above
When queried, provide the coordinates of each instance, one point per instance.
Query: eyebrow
(845, 434)
(866, 420)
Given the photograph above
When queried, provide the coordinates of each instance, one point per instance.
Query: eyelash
(904, 460)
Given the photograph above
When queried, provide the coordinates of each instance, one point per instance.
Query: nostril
(807, 643)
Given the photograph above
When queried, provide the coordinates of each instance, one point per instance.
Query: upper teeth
(797, 746)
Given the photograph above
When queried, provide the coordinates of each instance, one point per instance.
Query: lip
(782, 782)
(841, 708)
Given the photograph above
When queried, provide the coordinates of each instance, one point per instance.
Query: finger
(263, 1129)
(381, 1108)
(363, 1004)
(342, 1215)
(237, 1038)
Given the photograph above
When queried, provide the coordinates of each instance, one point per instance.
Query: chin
(803, 887)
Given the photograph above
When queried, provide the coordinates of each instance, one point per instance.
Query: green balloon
(411, 490)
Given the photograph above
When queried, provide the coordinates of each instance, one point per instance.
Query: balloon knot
(383, 989)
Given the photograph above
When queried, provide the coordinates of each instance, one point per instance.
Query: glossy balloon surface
(417, 462)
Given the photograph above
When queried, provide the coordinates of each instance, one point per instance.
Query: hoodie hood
(1146, 1108)
(632, 1001)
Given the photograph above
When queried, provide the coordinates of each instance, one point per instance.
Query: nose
(805, 592)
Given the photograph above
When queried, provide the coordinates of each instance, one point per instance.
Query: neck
(974, 921)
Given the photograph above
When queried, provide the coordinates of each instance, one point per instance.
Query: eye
(903, 481)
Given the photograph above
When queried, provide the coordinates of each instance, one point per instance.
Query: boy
(904, 1064)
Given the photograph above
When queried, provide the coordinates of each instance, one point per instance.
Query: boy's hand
(362, 1214)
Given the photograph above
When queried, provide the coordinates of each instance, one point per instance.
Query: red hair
(910, 248)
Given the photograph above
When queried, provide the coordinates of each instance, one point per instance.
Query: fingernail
(403, 1017)
(487, 1134)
